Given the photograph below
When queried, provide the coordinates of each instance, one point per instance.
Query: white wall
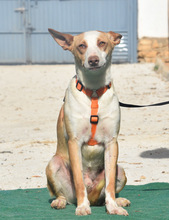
(152, 18)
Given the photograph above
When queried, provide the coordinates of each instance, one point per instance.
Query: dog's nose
(93, 60)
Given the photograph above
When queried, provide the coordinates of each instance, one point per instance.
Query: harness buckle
(94, 119)
(109, 86)
(79, 85)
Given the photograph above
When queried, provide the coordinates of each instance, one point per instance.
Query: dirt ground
(30, 100)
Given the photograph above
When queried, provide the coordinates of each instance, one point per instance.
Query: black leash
(125, 105)
(142, 106)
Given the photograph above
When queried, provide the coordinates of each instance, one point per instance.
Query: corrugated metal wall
(12, 37)
(23, 27)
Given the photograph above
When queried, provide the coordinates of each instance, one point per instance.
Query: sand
(30, 100)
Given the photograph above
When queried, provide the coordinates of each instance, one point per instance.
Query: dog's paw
(113, 209)
(83, 210)
(122, 202)
(117, 211)
(59, 203)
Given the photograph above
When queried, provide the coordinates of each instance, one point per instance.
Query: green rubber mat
(148, 202)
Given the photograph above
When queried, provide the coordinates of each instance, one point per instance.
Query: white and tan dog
(84, 169)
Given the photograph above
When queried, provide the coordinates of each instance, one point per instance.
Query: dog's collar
(89, 92)
(94, 118)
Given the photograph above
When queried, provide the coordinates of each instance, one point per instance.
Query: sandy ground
(30, 99)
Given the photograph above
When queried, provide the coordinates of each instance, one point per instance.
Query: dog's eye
(102, 43)
(82, 46)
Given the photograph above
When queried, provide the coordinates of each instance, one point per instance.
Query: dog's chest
(80, 112)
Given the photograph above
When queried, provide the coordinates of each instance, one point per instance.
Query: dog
(84, 170)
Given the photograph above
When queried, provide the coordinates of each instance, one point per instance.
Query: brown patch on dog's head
(104, 43)
(79, 48)
(107, 41)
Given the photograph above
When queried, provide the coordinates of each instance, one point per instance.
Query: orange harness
(94, 118)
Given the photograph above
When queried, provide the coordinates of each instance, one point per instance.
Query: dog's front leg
(111, 156)
(83, 205)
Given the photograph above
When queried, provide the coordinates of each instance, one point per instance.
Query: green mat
(149, 201)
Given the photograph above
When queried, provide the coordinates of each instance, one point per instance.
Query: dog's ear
(114, 37)
(64, 40)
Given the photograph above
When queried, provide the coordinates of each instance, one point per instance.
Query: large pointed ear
(114, 37)
(64, 40)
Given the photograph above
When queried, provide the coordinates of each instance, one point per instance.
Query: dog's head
(92, 50)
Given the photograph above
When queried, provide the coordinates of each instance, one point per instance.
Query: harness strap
(94, 118)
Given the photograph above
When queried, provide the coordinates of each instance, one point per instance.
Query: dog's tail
(94, 194)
